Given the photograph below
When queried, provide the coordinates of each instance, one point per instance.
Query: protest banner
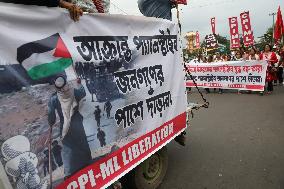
(197, 40)
(234, 32)
(248, 36)
(125, 106)
(213, 25)
(211, 41)
(242, 75)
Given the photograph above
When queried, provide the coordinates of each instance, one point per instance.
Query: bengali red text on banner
(242, 75)
(234, 32)
(248, 36)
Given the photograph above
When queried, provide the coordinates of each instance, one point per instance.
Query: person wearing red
(271, 58)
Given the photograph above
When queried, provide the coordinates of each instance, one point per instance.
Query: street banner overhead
(104, 84)
(248, 36)
(241, 75)
(234, 32)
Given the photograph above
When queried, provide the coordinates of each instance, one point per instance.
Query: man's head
(55, 143)
(217, 54)
(267, 48)
(62, 86)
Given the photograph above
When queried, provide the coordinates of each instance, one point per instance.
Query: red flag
(183, 2)
(197, 40)
(279, 27)
(247, 31)
(234, 32)
(213, 25)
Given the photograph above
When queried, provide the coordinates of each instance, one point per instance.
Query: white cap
(60, 82)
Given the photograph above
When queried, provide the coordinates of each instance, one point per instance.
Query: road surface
(238, 143)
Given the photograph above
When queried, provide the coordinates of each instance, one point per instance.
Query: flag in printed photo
(45, 57)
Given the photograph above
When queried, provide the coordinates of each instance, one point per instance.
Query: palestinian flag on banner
(45, 57)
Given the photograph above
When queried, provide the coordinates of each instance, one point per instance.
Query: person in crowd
(200, 58)
(278, 66)
(75, 153)
(102, 137)
(98, 115)
(75, 11)
(46, 162)
(224, 57)
(252, 54)
(244, 53)
(204, 59)
(228, 58)
(218, 57)
(258, 52)
(271, 58)
(157, 8)
(238, 56)
(209, 60)
(107, 108)
(56, 151)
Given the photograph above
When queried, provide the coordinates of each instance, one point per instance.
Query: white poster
(242, 75)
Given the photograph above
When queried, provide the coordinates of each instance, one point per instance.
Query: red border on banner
(255, 87)
(92, 176)
(231, 86)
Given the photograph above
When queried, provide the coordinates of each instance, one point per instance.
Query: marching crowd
(273, 55)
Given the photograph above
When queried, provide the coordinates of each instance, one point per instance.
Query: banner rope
(205, 102)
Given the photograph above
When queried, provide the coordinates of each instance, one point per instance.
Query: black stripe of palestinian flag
(44, 57)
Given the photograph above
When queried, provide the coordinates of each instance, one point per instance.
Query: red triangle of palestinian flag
(61, 50)
(45, 57)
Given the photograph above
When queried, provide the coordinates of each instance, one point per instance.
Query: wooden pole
(49, 154)
(178, 18)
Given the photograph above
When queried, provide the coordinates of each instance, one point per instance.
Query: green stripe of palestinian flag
(48, 69)
(44, 58)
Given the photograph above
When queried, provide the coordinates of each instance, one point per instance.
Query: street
(238, 143)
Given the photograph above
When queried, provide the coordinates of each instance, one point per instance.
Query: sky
(196, 15)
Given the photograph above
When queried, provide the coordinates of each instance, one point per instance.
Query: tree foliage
(267, 38)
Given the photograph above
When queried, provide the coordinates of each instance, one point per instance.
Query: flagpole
(273, 15)
(49, 154)
(178, 18)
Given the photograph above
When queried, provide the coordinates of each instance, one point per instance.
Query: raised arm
(75, 12)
